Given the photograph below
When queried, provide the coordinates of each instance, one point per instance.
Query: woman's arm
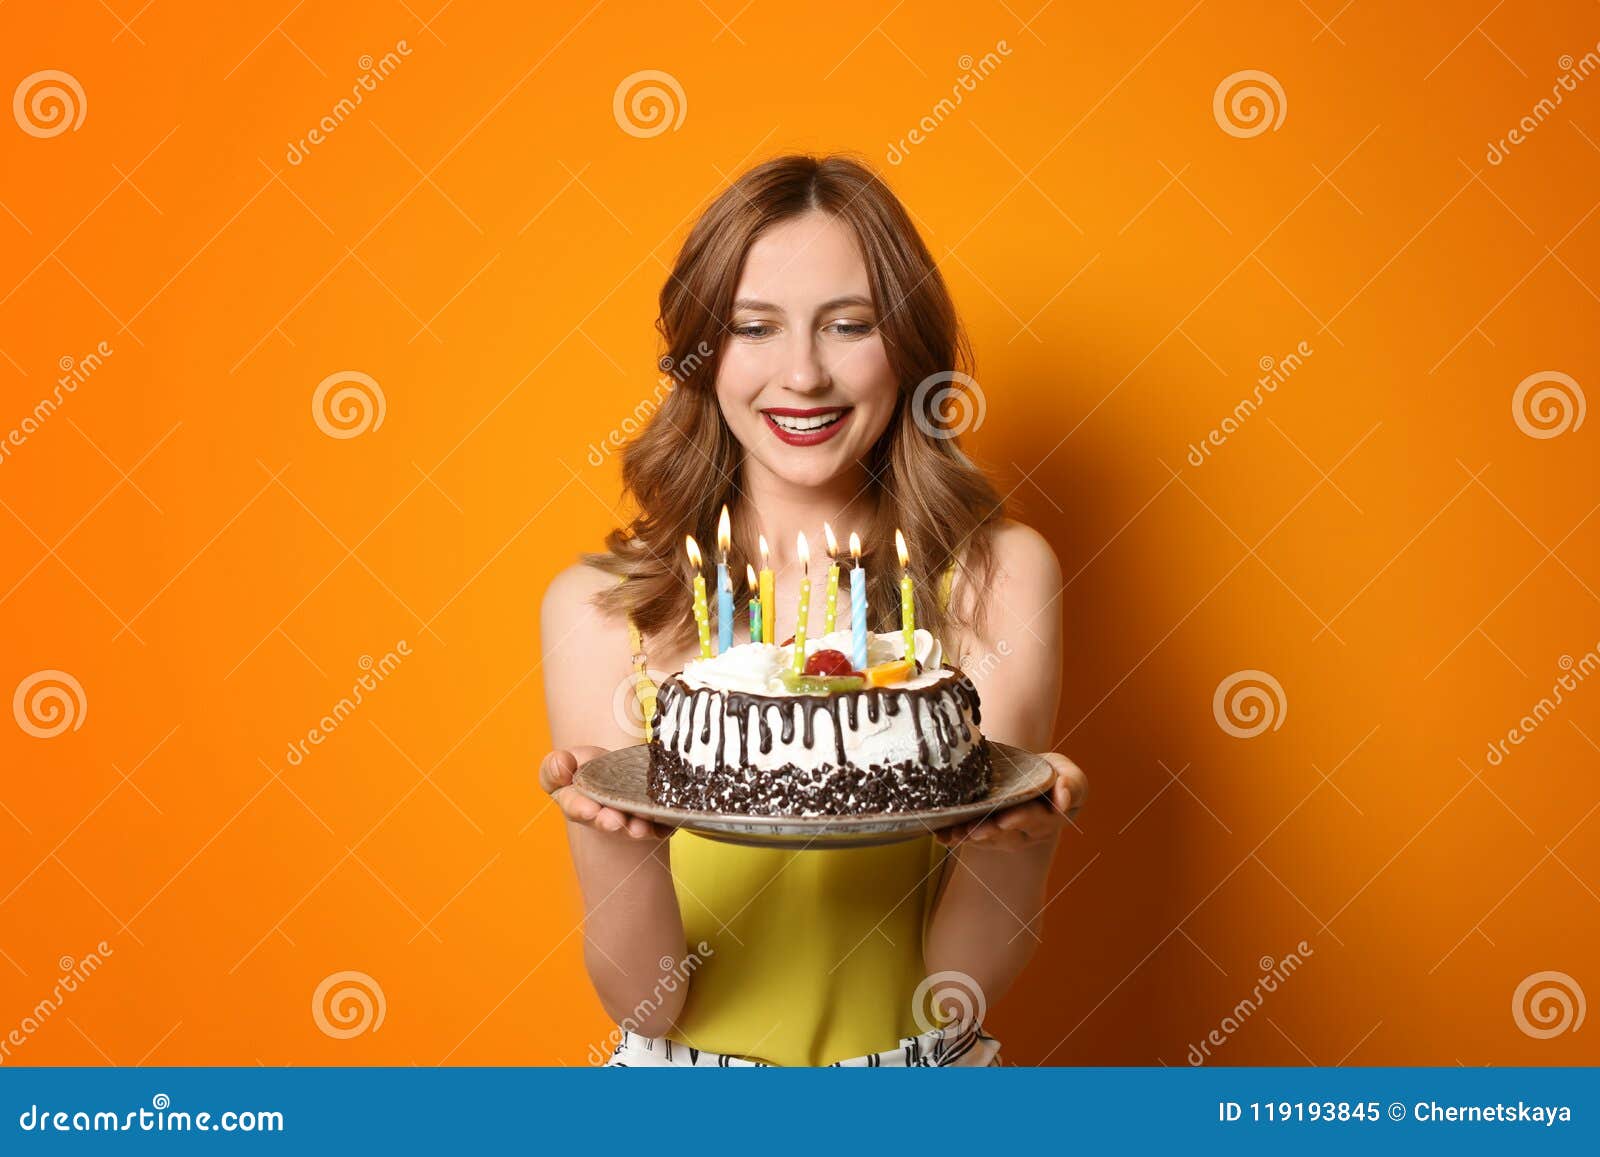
(631, 917)
(986, 915)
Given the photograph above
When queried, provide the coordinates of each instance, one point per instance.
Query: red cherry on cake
(829, 662)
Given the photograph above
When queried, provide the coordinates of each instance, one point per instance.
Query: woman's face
(804, 382)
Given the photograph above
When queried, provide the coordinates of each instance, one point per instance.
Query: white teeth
(804, 425)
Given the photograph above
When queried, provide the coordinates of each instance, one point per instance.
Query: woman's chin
(809, 468)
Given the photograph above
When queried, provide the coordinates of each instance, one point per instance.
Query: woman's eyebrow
(751, 303)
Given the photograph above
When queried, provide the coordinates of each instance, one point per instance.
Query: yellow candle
(908, 606)
(702, 617)
(804, 612)
(830, 608)
(769, 609)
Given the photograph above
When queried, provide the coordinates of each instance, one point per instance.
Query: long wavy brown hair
(685, 463)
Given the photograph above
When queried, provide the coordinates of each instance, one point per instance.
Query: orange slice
(897, 671)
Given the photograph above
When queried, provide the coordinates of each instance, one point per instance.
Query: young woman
(800, 319)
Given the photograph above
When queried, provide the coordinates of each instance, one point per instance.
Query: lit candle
(769, 610)
(724, 585)
(908, 611)
(830, 607)
(702, 617)
(804, 612)
(858, 606)
(755, 604)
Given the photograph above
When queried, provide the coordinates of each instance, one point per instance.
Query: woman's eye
(851, 328)
(753, 329)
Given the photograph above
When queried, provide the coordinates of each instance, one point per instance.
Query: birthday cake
(743, 732)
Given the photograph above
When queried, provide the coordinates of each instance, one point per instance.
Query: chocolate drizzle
(795, 791)
(675, 695)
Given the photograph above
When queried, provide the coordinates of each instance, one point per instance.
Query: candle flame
(750, 575)
(724, 533)
(803, 550)
(900, 549)
(833, 543)
(855, 547)
(693, 548)
(763, 539)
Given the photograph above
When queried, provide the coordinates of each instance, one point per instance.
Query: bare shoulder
(584, 655)
(569, 619)
(1025, 557)
(1021, 596)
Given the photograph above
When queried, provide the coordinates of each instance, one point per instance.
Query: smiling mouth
(805, 427)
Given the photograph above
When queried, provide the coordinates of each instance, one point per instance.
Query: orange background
(483, 239)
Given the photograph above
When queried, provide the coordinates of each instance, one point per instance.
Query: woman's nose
(805, 371)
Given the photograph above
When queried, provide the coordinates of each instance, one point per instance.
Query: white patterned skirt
(950, 1047)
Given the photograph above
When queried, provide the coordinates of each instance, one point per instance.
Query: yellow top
(810, 956)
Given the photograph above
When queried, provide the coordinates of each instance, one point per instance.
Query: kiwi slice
(822, 684)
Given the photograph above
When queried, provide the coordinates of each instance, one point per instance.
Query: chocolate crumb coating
(836, 787)
(830, 790)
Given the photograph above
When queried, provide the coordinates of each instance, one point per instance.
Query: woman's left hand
(1027, 824)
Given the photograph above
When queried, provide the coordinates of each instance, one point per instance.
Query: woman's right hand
(555, 776)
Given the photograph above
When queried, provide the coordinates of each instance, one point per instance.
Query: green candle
(830, 606)
(805, 605)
